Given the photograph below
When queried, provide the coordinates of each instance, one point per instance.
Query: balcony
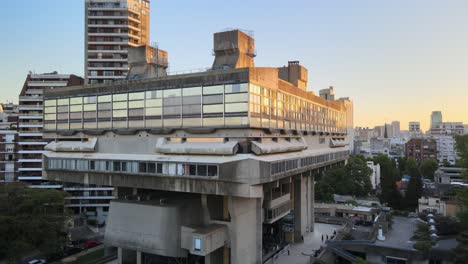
(108, 25)
(24, 125)
(29, 160)
(29, 169)
(46, 186)
(30, 151)
(30, 178)
(31, 98)
(32, 143)
(106, 60)
(110, 34)
(276, 213)
(90, 197)
(29, 134)
(108, 42)
(36, 117)
(88, 188)
(30, 107)
(108, 68)
(47, 83)
(107, 51)
(107, 77)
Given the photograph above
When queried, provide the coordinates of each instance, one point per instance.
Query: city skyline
(387, 62)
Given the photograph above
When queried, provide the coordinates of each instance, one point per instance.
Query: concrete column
(246, 230)
(119, 256)
(312, 202)
(139, 259)
(300, 208)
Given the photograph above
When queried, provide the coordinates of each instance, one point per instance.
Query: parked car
(71, 250)
(91, 243)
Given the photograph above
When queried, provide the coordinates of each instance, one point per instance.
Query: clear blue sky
(397, 59)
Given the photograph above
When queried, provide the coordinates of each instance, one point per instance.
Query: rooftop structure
(436, 118)
(216, 158)
(421, 149)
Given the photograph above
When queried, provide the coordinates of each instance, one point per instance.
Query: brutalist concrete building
(209, 167)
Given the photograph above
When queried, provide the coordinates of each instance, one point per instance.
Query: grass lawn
(90, 257)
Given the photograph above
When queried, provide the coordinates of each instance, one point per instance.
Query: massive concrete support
(246, 230)
(303, 205)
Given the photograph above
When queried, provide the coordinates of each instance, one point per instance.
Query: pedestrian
(322, 237)
(327, 237)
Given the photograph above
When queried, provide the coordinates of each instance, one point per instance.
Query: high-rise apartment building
(111, 26)
(414, 126)
(210, 167)
(436, 118)
(8, 116)
(30, 122)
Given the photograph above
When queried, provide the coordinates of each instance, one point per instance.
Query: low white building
(432, 205)
(375, 176)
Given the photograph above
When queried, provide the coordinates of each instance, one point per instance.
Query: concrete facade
(216, 161)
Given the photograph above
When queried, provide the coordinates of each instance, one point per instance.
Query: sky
(397, 60)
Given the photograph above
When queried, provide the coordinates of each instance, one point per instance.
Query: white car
(37, 261)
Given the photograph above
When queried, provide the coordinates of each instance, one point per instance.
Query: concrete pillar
(139, 259)
(246, 230)
(119, 256)
(303, 205)
(300, 207)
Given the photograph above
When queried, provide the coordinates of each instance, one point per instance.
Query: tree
(360, 261)
(352, 179)
(428, 168)
(461, 252)
(388, 173)
(415, 186)
(31, 220)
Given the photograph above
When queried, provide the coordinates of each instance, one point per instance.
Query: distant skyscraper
(395, 128)
(436, 118)
(111, 27)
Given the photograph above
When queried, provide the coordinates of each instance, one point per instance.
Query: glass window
(119, 97)
(191, 91)
(50, 110)
(213, 99)
(89, 107)
(218, 89)
(49, 116)
(218, 108)
(104, 114)
(123, 165)
(62, 109)
(192, 170)
(76, 100)
(136, 96)
(62, 101)
(119, 105)
(75, 115)
(237, 107)
(104, 98)
(237, 88)
(92, 165)
(151, 167)
(154, 103)
(50, 102)
(159, 168)
(212, 170)
(154, 94)
(136, 104)
(201, 170)
(153, 111)
(172, 110)
(104, 106)
(171, 93)
(142, 167)
(76, 108)
(233, 98)
(90, 99)
(119, 113)
(116, 166)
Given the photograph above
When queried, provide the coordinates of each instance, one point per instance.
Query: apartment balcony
(90, 197)
(30, 178)
(107, 60)
(109, 17)
(32, 143)
(111, 34)
(108, 25)
(88, 205)
(31, 98)
(108, 68)
(88, 188)
(35, 91)
(35, 117)
(134, 28)
(108, 42)
(29, 169)
(30, 151)
(107, 77)
(107, 51)
(30, 107)
(23, 125)
(134, 19)
(29, 134)
(46, 186)
(108, 8)
(47, 83)
(29, 160)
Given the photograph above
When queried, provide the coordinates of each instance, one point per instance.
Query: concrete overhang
(72, 146)
(201, 148)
